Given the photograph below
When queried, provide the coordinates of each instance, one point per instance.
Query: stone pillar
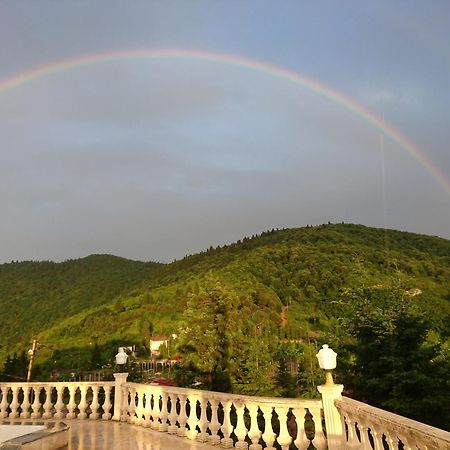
(107, 404)
(94, 405)
(14, 405)
(83, 404)
(119, 380)
(25, 414)
(333, 422)
(59, 405)
(240, 431)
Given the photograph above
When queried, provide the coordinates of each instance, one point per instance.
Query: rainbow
(270, 69)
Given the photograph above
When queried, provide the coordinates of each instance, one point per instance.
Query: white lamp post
(121, 358)
(327, 362)
(120, 379)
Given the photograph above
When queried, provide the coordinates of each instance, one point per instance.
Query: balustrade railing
(232, 420)
(56, 400)
(367, 427)
(239, 421)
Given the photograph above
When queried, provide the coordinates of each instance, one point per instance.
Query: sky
(155, 129)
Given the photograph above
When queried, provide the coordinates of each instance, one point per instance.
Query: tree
(96, 359)
(285, 381)
(15, 367)
(204, 340)
(397, 365)
(227, 341)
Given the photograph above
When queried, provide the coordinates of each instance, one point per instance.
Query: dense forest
(251, 316)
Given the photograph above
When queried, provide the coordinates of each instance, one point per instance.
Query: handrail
(215, 417)
(71, 399)
(228, 419)
(370, 427)
(231, 420)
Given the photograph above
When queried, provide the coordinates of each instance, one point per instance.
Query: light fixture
(121, 358)
(327, 362)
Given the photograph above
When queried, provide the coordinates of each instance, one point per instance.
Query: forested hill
(289, 278)
(37, 295)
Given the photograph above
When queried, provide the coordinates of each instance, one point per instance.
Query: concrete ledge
(37, 436)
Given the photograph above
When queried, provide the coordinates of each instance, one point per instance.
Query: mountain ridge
(302, 268)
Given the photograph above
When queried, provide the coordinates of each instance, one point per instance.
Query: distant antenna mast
(383, 181)
(383, 177)
(383, 187)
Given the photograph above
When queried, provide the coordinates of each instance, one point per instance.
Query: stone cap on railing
(54, 383)
(234, 398)
(430, 437)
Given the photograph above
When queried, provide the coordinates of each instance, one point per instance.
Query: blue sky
(153, 159)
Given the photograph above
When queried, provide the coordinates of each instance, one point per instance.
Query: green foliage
(37, 295)
(225, 341)
(285, 380)
(398, 363)
(15, 368)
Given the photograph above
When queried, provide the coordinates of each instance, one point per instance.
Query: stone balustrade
(242, 421)
(56, 400)
(227, 420)
(367, 427)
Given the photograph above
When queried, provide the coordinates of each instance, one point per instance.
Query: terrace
(123, 415)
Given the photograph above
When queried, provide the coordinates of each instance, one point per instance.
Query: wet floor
(108, 435)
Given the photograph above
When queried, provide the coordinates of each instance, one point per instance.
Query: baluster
(240, 431)
(83, 404)
(227, 427)
(148, 409)
(203, 436)
(25, 407)
(14, 405)
(182, 417)
(319, 440)
(107, 403)
(36, 404)
(59, 405)
(301, 440)
(4, 402)
(407, 445)
(364, 433)
(192, 418)
(163, 416)
(94, 405)
(391, 441)
(254, 433)
(377, 436)
(172, 429)
(140, 406)
(284, 438)
(155, 410)
(214, 425)
(132, 404)
(71, 405)
(352, 439)
(268, 436)
(48, 406)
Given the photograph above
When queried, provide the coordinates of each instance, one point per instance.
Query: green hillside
(245, 310)
(38, 295)
(303, 268)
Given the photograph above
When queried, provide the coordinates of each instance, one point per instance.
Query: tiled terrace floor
(108, 435)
